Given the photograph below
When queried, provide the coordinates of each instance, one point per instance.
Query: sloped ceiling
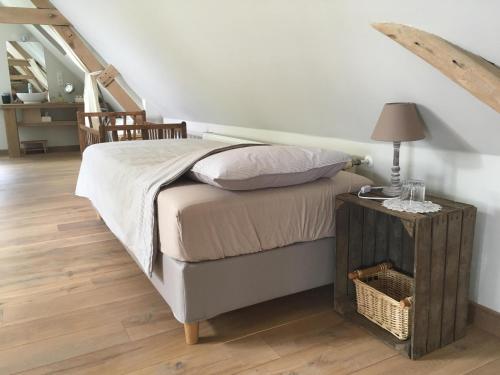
(308, 66)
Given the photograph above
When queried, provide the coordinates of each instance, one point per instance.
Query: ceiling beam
(18, 62)
(32, 16)
(43, 4)
(15, 50)
(108, 75)
(475, 74)
(90, 60)
(21, 77)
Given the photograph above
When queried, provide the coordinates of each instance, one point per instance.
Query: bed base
(199, 291)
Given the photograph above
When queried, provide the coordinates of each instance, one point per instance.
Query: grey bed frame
(202, 290)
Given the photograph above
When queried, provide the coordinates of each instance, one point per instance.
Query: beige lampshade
(399, 122)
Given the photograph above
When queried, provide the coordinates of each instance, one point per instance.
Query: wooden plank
(355, 243)
(377, 206)
(122, 97)
(39, 74)
(17, 51)
(71, 37)
(50, 123)
(69, 34)
(408, 248)
(18, 62)
(12, 133)
(395, 241)
(386, 337)
(89, 59)
(108, 75)
(342, 250)
(451, 277)
(439, 234)
(368, 258)
(381, 237)
(303, 333)
(467, 242)
(475, 74)
(475, 350)
(46, 105)
(422, 287)
(489, 368)
(42, 4)
(21, 77)
(33, 16)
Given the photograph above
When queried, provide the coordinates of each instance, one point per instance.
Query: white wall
(55, 67)
(308, 66)
(315, 72)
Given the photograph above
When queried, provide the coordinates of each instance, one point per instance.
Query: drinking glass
(413, 190)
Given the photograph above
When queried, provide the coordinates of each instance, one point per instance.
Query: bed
(208, 250)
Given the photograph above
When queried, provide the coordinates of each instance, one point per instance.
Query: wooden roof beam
(21, 77)
(475, 74)
(32, 16)
(18, 62)
(43, 4)
(91, 62)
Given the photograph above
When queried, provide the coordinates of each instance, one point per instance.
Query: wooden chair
(101, 127)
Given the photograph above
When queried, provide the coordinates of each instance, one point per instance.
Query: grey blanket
(123, 179)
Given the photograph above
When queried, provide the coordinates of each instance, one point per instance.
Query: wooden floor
(73, 301)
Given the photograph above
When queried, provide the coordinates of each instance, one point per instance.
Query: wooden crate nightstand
(435, 249)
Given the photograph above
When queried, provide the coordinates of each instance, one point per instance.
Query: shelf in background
(43, 124)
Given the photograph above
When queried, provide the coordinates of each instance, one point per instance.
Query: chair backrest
(99, 127)
(103, 120)
(97, 119)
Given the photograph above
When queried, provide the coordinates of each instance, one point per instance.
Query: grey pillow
(260, 167)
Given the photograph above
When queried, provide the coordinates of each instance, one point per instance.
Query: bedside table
(435, 249)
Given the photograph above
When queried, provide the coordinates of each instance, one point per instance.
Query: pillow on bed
(262, 167)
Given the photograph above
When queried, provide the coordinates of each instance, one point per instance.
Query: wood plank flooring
(73, 302)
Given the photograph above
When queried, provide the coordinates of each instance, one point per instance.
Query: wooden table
(435, 249)
(31, 116)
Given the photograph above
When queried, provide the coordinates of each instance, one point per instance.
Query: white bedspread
(122, 180)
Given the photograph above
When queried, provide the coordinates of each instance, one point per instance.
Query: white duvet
(122, 180)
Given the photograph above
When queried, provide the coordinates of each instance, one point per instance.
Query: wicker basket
(384, 296)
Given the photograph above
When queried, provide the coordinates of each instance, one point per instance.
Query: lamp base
(392, 191)
(395, 189)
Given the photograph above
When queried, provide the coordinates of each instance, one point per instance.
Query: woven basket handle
(367, 272)
(406, 302)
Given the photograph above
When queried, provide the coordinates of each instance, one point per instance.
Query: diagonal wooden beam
(32, 16)
(43, 4)
(90, 60)
(475, 74)
(21, 77)
(18, 62)
(108, 75)
(15, 50)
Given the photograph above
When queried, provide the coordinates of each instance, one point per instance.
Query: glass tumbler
(413, 190)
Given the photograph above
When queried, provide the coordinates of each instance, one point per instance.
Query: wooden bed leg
(191, 332)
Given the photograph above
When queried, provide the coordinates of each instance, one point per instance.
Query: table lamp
(398, 122)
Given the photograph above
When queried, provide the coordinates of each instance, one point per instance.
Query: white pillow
(259, 167)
